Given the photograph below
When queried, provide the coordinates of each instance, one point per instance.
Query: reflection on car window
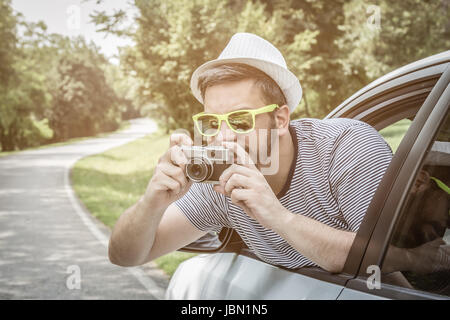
(394, 133)
(420, 247)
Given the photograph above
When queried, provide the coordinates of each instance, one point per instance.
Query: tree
(22, 90)
(126, 88)
(173, 38)
(408, 30)
(8, 42)
(55, 89)
(84, 104)
(412, 30)
(327, 44)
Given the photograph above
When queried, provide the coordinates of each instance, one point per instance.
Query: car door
(409, 211)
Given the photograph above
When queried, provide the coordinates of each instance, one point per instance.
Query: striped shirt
(337, 167)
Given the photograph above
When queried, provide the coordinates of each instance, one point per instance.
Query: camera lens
(198, 171)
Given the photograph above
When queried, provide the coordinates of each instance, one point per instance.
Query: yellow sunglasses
(239, 121)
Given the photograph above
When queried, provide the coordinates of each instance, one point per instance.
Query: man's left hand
(248, 188)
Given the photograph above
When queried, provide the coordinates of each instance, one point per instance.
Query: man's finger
(236, 181)
(234, 169)
(240, 195)
(218, 188)
(180, 139)
(177, 156)
(167, 183)
(175, 173)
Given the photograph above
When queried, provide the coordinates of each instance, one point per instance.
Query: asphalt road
(50, 246)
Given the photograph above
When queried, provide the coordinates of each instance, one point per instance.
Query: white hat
(254, 51)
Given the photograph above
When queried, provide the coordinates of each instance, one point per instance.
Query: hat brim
(286, 80)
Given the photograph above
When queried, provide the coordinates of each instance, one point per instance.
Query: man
(306, 214)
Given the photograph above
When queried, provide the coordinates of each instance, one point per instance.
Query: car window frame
(411, 154)
(370, 220)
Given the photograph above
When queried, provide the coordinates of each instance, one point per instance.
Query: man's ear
(282, 119)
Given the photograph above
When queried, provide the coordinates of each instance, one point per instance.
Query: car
(412, 100)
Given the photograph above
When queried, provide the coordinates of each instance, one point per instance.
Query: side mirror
(227, 240)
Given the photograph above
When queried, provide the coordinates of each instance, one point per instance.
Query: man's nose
(224, 134)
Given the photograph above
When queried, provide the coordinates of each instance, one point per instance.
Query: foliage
(22, 93)
(173, 38)
(409, 30)
(52, 87)
(84, 103)
(8, 37)
(329, 45)
(126, 88)
(20, 101)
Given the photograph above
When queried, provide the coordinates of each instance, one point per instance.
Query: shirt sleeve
(204, 208)
(359, 158)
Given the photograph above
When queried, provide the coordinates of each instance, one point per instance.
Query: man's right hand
(169, 182)
(432, 256)
(154, 226)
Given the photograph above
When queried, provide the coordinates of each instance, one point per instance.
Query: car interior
(426, 216)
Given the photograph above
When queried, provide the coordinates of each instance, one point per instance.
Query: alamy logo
(374, 280)
(73, 281)
(374, 20)
(74, 17)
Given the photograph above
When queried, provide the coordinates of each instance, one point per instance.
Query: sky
(71, 18)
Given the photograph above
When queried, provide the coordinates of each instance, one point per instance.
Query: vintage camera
(206, 164)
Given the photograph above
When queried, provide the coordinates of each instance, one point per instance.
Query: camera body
(206, 164)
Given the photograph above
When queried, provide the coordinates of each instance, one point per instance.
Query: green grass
(169, 263)
(394, 133)
(110, 182)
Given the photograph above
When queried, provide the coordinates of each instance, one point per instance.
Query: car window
(394, 133)
(420, 246)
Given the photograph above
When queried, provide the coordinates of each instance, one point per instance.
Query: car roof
(437, 59)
